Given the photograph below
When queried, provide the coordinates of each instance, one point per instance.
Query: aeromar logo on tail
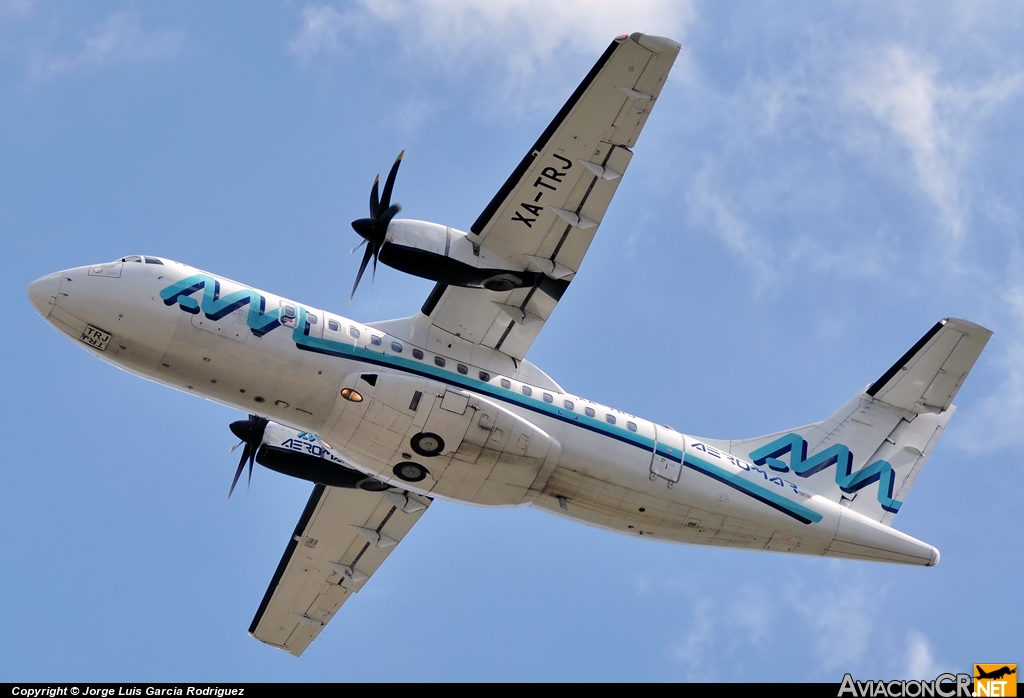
(838, 455)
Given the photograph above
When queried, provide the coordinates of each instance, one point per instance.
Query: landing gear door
(667, 459)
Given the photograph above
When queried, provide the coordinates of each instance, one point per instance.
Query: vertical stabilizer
(868, 454)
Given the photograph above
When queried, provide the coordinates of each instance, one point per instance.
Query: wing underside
(341, 539)
(545, 216)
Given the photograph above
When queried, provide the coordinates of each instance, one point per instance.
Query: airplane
(385, 417)
(995, 674)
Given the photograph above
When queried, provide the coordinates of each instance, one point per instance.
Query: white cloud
(523, 34)
(920, 662)
(695, 648)
(16, 8)
(707, 205)
(994, 424)
(931, 119)
(842, 622)
(119, 39)
(321, 27)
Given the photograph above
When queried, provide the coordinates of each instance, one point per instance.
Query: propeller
(250, 431)
(374, 229)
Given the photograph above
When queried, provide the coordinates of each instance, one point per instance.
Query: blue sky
(817, 185)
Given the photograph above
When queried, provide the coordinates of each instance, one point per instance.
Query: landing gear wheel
(427, 444)
(410, 472)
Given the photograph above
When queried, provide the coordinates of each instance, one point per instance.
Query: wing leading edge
(341, 539)
(546, 214)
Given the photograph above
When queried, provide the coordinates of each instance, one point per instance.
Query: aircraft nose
(43, 293)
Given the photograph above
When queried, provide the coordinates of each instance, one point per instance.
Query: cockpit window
(153, 260)
(132, 258)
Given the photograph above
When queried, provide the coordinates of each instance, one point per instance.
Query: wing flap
(330, 556)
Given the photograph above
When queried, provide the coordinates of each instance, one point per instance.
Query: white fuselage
(506, 442)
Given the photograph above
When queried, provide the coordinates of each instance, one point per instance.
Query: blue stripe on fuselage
(349, 351)
(763, 494)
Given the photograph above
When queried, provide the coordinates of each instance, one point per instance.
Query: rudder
(868, 454)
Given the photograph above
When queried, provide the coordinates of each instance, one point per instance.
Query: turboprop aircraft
(385, 417)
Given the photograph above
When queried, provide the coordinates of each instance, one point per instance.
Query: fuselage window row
(463, 369)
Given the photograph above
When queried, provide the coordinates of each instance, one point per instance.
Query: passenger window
(374, 340)
(311, 318)
(462, 369)
(485, 376)
(417, 354)
(333, 326)
(589, 411)
(396, 347)
(438, 361)
(353, 332)
(289, 311)
(548, 397)
(631, 426)
(527, 390)
(610, 418)
(505, 383)
(153, 260)
(568, 405)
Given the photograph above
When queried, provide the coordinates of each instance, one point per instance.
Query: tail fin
(883, 434)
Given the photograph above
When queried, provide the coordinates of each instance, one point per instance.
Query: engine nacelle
(443, 254)
(302, 456)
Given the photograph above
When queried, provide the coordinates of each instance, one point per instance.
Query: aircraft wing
(546, 214)
(341, 539)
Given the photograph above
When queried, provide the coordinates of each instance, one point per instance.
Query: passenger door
(667, 459)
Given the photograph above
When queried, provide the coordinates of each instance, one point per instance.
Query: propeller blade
(238, 472)
(374, 230)
(385, 220)
(362, 268)
(251, 432)
(374, 198)
(390, 183)
(232, 449)
(252, 458)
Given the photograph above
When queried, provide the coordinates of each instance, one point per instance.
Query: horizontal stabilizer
(927, 378)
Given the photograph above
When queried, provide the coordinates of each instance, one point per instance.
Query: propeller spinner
(250, 431)
(374, 229)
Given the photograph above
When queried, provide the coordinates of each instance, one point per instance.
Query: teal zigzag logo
(838, 455)
(260, 320)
